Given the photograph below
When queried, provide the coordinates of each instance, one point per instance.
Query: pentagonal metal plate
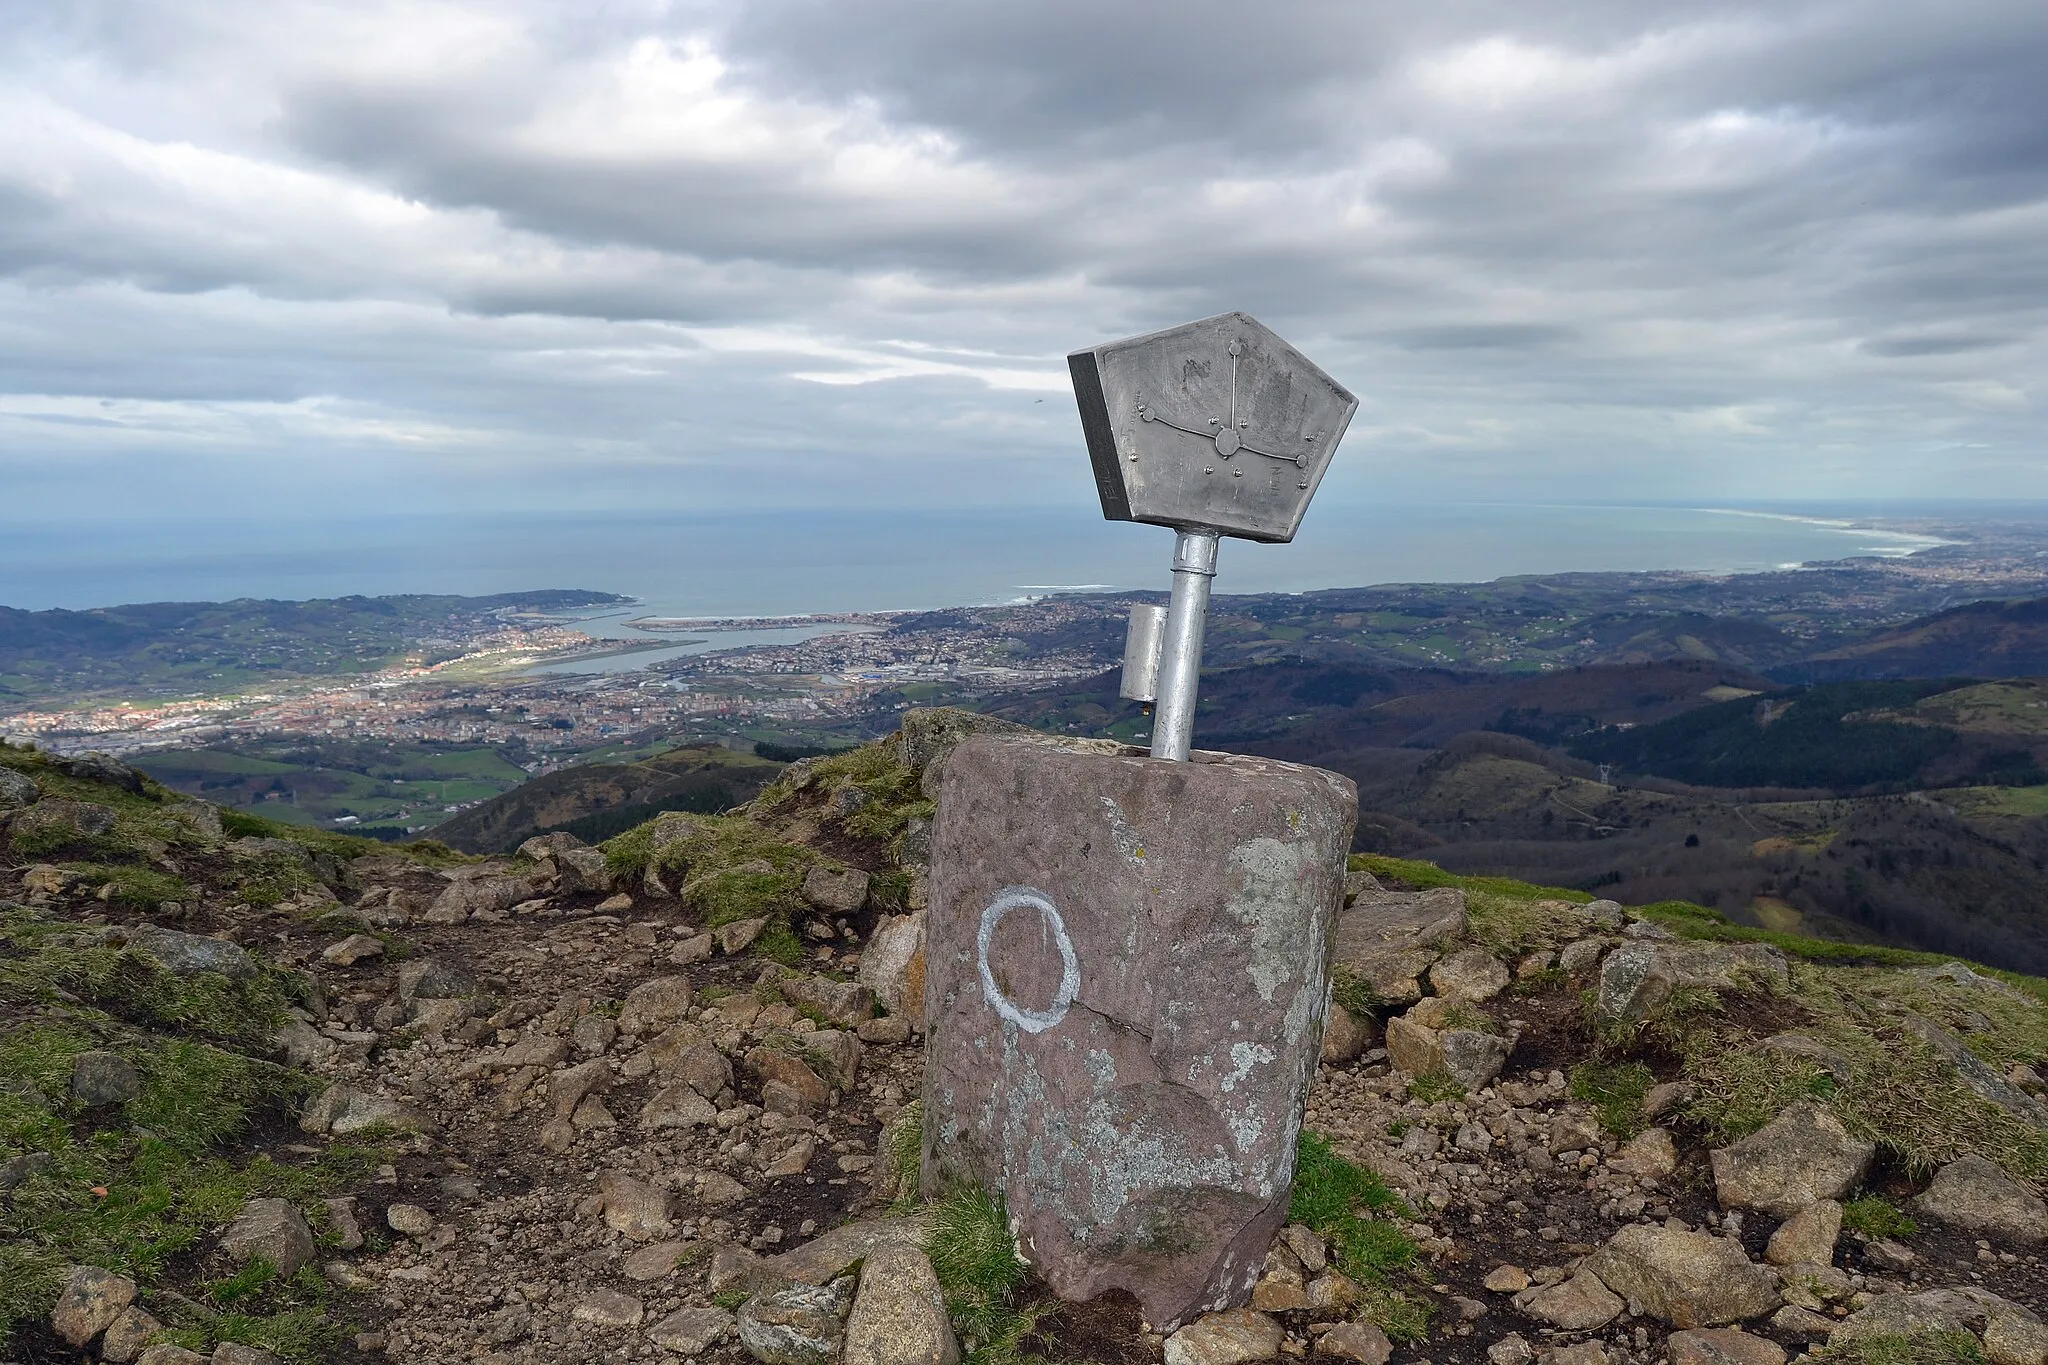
(1216, 424)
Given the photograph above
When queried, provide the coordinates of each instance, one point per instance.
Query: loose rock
(1807, 1236)
(1225, 1339)
(899, 1314)
(1975, 1195)
(91, 1300)
(691, 1331)
(609, 1308)
(1689, 1279)
(1722, 1346)
(1579, 1304)
(104, 1078)
(1803, 1155)
(409, 1219)
(800, 1325)
(1360, 1341)
(272, 1230)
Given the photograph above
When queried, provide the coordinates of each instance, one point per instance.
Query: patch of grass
(730, 1299)
(1464, 1015)
(1353, 992)
(1508, 916)
(1616, 1094)
(779, 943)
(194, 1095)
(271, 877)
(1497, 903)
(1425, 875)
(975, 1257)
(889, 892)
(1900, 1094)
(1737, 1090)
(1875, 1216)
(971, 1247)
(1403, 1317)
(892, 790)
(40, 958)
(903, 1151)
(30, 1279)
(1434, 1087)
(256, 1306)
(161, 1200)
(1338, 1199)
(1931, 1348)
(140, 887)
(1540, 982)
(237, 824)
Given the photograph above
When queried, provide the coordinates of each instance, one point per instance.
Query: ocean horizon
(792, 563)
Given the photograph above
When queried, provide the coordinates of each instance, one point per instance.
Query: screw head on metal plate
(1217, 424)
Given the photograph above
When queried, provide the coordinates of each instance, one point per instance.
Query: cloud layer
(722, 254)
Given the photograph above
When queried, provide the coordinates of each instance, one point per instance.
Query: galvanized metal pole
(1180, 655)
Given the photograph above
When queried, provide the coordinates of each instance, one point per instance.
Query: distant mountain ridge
(1995, 639)
(187, 646)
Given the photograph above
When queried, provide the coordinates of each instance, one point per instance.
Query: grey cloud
(1628, 249)
(1913, 346)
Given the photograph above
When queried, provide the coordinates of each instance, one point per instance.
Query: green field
(2016, 802)
(360, 787)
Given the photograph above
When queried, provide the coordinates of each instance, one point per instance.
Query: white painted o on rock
(1031, 1021)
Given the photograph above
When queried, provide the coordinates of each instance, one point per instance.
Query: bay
(801, 561)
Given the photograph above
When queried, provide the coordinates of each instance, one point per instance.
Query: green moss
(1616, 1094)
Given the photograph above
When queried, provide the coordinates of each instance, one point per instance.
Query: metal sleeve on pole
(1180, 656)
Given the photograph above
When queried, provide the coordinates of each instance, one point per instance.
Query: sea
(796, 562)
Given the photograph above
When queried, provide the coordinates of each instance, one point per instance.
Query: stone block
(1127, 961)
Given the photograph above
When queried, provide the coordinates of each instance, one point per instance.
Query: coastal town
(497, 689)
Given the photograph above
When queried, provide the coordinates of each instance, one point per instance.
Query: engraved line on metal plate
(1225, 437)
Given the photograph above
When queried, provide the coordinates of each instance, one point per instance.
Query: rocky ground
(656, 1101)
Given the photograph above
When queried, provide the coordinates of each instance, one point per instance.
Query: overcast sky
(275, 255)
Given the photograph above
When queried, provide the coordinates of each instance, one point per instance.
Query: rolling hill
(596, 800)
(1981, 639)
